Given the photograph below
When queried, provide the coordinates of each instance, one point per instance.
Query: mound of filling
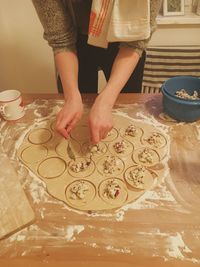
(136, 176)
(131, 130)
(112, 189)
(183, 94)
(97, 149)
(80, 166)
(120, 147)
(146, 156)
(155, 139)
(79, 190)
(110, 165)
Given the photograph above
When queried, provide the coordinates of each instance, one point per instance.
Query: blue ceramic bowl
(178, 108)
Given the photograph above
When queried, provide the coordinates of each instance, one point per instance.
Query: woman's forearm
(123, 66)
(67, 66)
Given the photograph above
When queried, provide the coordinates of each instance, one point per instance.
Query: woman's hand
(69, 115)
(100, 119)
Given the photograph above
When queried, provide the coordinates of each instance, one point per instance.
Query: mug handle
(3, 112)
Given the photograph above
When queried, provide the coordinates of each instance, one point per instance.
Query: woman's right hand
(69, 115)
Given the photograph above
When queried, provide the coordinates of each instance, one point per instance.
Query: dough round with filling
(131, 132)
(52, 167)
(110, 165)
(80, 193)
(119, 186)
(34, 154)
(121, 147)
(39, 136)
(81, 167)
(95, 151)
(154, 140)
(146, 156)
(138, 177)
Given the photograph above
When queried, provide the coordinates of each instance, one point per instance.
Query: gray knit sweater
(60, 24)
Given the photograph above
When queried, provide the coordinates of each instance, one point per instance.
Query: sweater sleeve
(140, 46)
(56, 19)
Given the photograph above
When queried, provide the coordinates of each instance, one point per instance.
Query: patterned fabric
(163, 63)
(112, 21)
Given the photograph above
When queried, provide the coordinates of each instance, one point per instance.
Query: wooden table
(163, 229)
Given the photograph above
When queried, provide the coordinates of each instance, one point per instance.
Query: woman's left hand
(100, 119)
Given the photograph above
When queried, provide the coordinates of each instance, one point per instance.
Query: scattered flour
(118, 250)
(73, 230)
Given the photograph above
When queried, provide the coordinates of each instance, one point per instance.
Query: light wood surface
(15, 210)
(161, 229)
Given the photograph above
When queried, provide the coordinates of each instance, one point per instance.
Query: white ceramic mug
(11, 105)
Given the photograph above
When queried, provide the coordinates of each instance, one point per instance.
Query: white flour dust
(118, 250)
(72, 231)
(174, 248)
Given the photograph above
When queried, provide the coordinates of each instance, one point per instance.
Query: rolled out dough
(45, 153)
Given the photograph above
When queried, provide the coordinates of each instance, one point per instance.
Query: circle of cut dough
(87, 172)
(147, 180)
(128, 150)
(112, 135)
(118, 169)
(80, 133)
(155, 156)
(39, 136)
(34, 154)
(120, 199)
(138, 134)
(51, 167)
(89, 196)
(61, 148)
(88, 150)
(161, 143)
